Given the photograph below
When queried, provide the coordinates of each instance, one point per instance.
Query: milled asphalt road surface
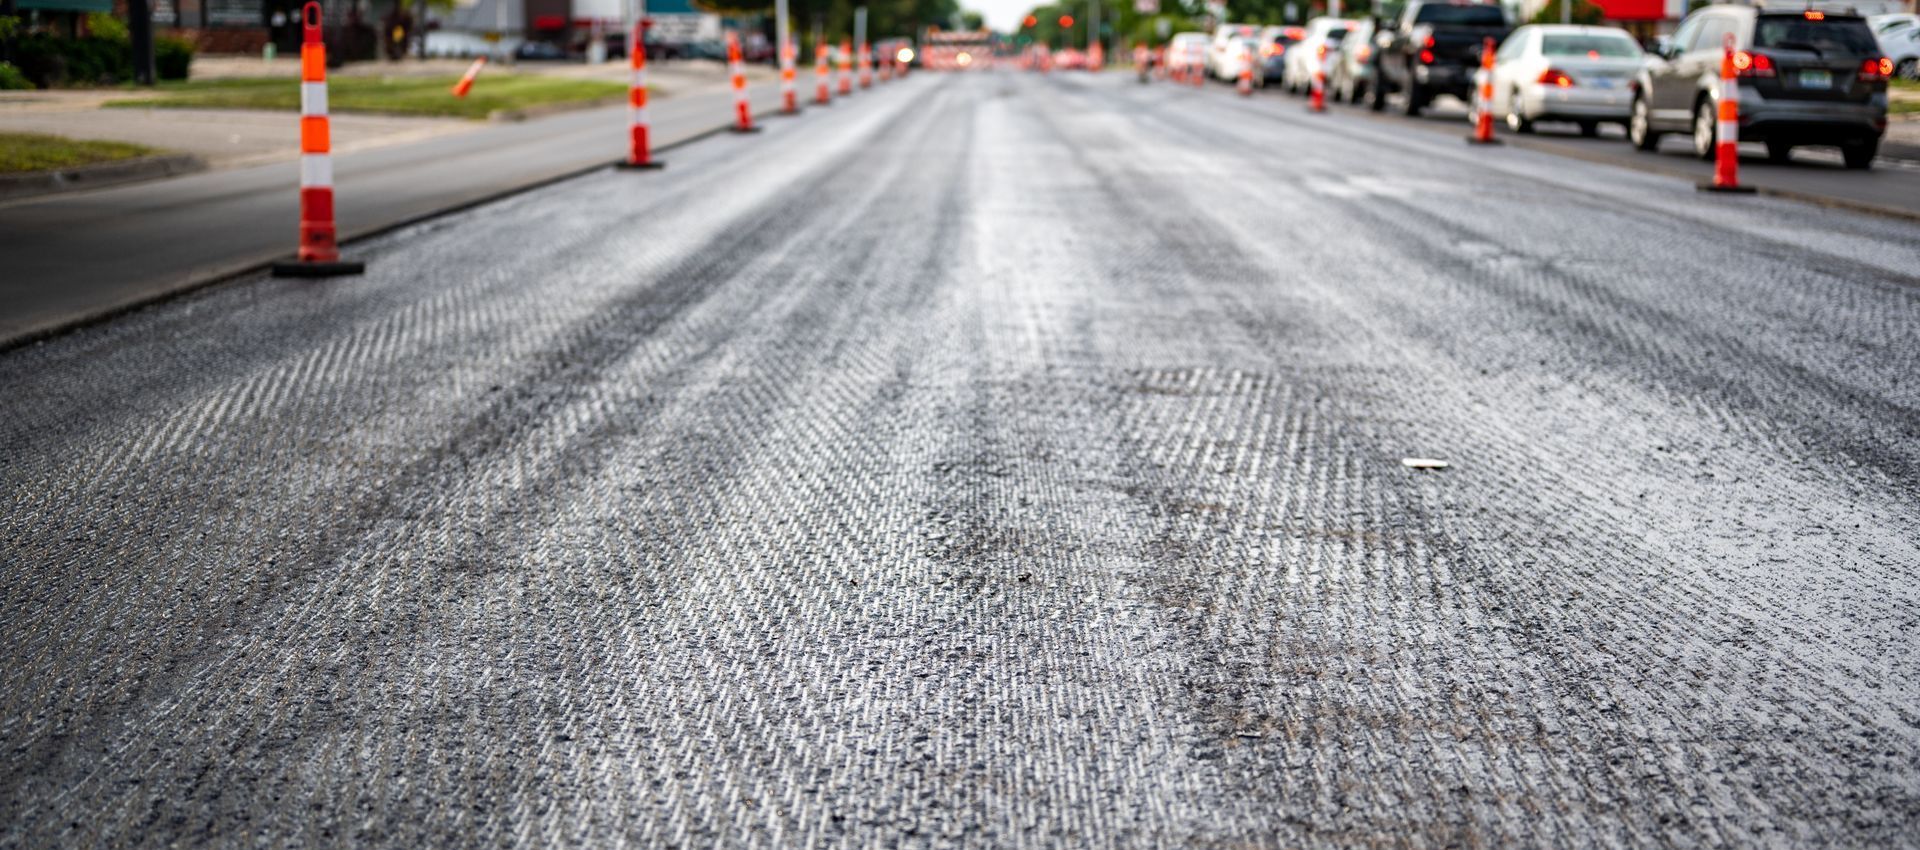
(999, 461)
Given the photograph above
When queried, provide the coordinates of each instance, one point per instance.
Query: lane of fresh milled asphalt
(1000, 461)
(75, 256)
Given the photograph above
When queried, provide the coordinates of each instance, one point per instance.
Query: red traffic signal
(1066, 20)
(1031, 20)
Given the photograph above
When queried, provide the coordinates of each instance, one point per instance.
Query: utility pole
(1566, 11)
(780, 34)
(1093, 24)
(859, 29)
(140, 32)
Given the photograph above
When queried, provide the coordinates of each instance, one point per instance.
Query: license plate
(1601, 83)
(1816, 79)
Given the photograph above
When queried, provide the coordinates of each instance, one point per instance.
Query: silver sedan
(1556, 72)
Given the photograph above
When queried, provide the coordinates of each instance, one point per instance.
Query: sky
(1001, 15)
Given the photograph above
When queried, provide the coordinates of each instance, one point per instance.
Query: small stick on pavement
(318, 255)
(639, 150)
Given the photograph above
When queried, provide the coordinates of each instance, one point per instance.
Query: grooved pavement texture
(992, 461)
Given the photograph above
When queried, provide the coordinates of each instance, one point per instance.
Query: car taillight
(1752, 64)
(1321, 52)
(1876, 70)
(1365, 52)
(1426, 57)
(1428, 42)
(1556, 77)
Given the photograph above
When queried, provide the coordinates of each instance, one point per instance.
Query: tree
(885, 18)
(1583, 13)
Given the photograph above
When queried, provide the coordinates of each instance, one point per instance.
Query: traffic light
(1031, 21)
(1066, 21)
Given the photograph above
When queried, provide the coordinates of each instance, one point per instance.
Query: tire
(1359, 93)
(1590, 129)
(1378, 98)
(1779, 153)
(1415, 102)
(1640, 128)
(1859, 155)
(1908, 69)
(1706, 129)
(1515, 121)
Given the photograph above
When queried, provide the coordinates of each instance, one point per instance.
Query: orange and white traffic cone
(1096, 57)
(789, 102)
(1726, 149)
(886, 67)
(1483, 98)
(846, 67)
(465, 85)
(1245, 82)
(737, 72)
(823, 87)
(1318, 102)
(866, 66)
(319, 252)
(639, 148)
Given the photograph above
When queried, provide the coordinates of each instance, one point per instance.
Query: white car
(1221, 64)
(1187, 52)
(1560, 72)
(1316, 51)
(1899, 39)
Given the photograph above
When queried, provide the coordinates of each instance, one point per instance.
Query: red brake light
(1364, 53)
(1426, 57)
(1747, 64)
(1816, 16)
(1556, 77)
(1876, 70)
(1429, 42)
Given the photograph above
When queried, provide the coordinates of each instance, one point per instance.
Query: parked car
(1324, 36)
(1217, 59)
(1899, 40)
(540, 51)
(1432, 49)
(1555, 72)
(1187, 52)
(1274, 43)
(1351, 69)
(1806, 77)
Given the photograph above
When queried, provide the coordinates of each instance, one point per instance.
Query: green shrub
(172, 57)
(50, 61)
(103, 25)
(11, 78)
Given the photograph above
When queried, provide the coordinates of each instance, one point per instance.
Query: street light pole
(140, 33)
(780, 35)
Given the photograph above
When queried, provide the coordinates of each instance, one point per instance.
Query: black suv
(1806, 77)
(1432, 49)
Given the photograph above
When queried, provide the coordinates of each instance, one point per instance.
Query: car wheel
(1859, 155)
(1359, 93)
(1515, 121)
(1590, 129)
(1640, 128)
(1706, 129)
(1908, 69)
(1779, 152)
(1414, 104)
(1378, 100)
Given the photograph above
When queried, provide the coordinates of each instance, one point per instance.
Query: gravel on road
(993, 461)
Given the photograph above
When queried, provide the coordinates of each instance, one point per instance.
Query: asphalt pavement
(998, 461)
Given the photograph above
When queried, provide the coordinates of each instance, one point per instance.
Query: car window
(1591, 46)
(1513, 46)
(1827, 35)
(1894, 26)
(1683, 38)
(1448, 13)
(1712, 36)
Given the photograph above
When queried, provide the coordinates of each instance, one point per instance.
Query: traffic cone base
(1476, 140)
(337, 268)
(649, 165)
(1710, 186)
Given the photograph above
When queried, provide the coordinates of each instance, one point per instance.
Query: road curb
(246, 268)
(36, 184)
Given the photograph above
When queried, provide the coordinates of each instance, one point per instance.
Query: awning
(64, 5)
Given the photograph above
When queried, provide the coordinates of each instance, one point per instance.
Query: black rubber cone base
(649, 165)
(1707, 186)
(337, 268)
(1476, 140)
(739, 129)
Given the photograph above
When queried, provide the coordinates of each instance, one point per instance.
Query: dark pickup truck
(1433, 49)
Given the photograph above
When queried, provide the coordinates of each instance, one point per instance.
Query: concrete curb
(58, 180)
